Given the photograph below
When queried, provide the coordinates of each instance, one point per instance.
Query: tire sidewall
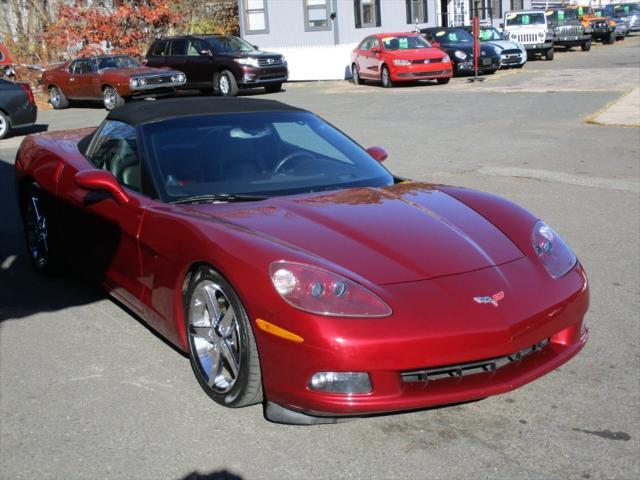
(6, 131)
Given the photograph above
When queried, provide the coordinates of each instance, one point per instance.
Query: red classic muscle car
(110, 78)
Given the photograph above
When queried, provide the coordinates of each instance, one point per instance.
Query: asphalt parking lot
(86, 391)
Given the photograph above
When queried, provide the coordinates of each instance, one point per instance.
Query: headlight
(181, 77)
(402, 62)
(540, 35)
(460, 54)
(555, 255)
(446, 59)
(319, 291)
(247, 61)
(142, 82)
(513, 36)
(134, 82)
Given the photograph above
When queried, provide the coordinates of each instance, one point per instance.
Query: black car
(223, 63)
(458, 43)
(17, 106)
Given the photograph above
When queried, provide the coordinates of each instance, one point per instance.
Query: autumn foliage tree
(128, 26)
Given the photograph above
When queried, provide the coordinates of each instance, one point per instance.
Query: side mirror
(206, 52)
(104, 181)
(502, 26)
(256, 47)
(435, 44)
(377, 153)
(375, 49)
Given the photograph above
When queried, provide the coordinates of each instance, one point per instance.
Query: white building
(317, 36)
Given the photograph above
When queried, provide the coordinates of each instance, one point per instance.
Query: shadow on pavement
(217, 475)
(22, 291)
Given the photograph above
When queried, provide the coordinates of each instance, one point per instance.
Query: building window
(417, 11)
(256, 19)
(517, 5)
(367, 13)
(486, 7)
(316, 15)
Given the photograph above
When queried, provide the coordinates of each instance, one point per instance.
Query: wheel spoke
(229, 355)
(202, 332)
(212, 305)
(227, 322)
(216, 365)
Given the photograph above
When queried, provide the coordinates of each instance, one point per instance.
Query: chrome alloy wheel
(109, 98)
(214, 334)
(36, 230)
(223, 85)
(54, 97)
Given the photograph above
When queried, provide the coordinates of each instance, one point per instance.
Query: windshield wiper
(218, 197)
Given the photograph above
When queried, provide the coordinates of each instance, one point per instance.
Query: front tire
(385, 77)
(586, 46)
(39, 231)
(226, 84)
(443, 81)
(548, 55)
(222, 348)
(111, 99)
(5, 125)
(610, 39)
(57, 98)
(355, 75)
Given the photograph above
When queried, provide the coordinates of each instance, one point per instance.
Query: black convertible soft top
(141, 112)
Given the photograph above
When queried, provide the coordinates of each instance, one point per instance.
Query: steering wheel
(293, 156)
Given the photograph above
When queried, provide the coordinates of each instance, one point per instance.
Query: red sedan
(399, 57)
(293, 268)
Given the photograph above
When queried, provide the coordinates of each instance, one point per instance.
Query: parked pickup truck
(529, 27)
(567, 29)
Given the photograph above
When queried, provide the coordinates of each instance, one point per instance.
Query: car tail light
(319, 291)
(29, 92)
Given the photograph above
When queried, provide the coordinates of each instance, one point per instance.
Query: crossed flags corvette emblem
(493, 299)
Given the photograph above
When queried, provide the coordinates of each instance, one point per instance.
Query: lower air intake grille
(472, 368)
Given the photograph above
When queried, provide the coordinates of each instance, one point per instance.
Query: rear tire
(385, 77)
(39, 229)
(222, 348)
(548, 55)
(443, 81)
(609, 39)
(5, 125)
(57, 98)
(226, 84)
(586, 46)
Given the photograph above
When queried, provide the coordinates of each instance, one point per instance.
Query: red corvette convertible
(293, 268)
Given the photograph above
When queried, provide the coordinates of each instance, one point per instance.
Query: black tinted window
(179, 47)
(115, 149)
(160, 48)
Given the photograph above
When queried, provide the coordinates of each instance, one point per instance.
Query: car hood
(504, 44)
(416, 54)
(485, 49)
(141, 71)
(403, 233)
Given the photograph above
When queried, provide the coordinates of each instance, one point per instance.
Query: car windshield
(452, 36)
(562, 16)
(117, 61)
(256, 154)
(404, 42)
(488, 34)
(585, 11)
(520, 19)
(229, 43)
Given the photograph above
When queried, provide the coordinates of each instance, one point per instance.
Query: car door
(374, 58)
(364, 57)
(84, 78)
(157, 55)
(177, 57)
(199, 63)
(101, 233)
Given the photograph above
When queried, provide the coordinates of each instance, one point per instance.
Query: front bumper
(513, 59)
(432, 327)
(538, 47)
(485, 64)
(571, 40)
(253, 76)
(424, 71)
